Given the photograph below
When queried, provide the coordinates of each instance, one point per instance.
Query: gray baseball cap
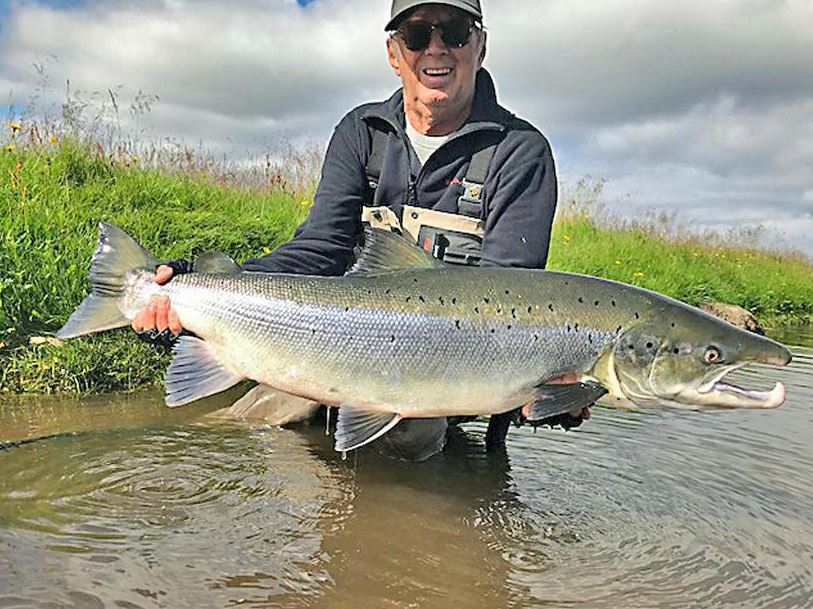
(400, 7)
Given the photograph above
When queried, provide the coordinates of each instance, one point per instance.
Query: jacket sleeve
(323, 244)
(520, 202)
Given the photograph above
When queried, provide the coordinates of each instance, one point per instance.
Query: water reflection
(144, 506)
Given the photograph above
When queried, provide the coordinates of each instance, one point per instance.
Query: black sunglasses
(417, 35)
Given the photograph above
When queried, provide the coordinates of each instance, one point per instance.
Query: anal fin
(195, 373)
(356, 426)
(555, 399)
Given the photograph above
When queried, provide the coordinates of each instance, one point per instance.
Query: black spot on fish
(618, 329)
(485, 300)
(440, 300)
(392, 338)
(576, 327)
(530, 309)
(408, 298)
(514, 313)
(421, 298)
(568, 327)
(673, 324)
(590, 338)
(596, 302)
(630, 346)
(313, 331)
(346, 309)
(457, 323)
(499, 310)
(637, 316)
(493, 330)
(612, 302)
(676, 351)
(387, 291)
(536, 337)
(477, 310)
(414, 280)
(454, 300)
(550, 307)
(509, 326)
(507, 292)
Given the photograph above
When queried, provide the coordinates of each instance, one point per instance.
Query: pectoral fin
(552, 400)
(357, 427)
(195, 373)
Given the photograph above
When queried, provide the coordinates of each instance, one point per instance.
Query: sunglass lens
(416, 35)
(456, 32)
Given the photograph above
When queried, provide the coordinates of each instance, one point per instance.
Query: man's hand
(158, 317)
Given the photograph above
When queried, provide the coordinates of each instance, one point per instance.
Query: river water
(143, 506)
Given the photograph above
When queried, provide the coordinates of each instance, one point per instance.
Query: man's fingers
(174, 322)
(162, 313)
(163, 274)
(138, 321)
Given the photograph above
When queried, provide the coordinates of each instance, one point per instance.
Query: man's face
(440, 77)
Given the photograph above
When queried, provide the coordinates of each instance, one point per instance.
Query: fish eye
(712, 355)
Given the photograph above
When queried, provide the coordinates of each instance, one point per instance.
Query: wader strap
(470, 203)
(375, 161)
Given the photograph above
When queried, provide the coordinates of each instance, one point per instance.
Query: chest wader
(453, 238)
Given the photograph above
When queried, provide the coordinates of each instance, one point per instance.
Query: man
(440, 161)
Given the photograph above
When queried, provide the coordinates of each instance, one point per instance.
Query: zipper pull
(412, 192)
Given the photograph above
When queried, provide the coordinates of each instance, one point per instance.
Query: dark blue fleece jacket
(519, 194)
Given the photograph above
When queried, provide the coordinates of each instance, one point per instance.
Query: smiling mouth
(436, 72)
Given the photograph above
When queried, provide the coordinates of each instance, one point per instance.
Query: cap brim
(460, 4)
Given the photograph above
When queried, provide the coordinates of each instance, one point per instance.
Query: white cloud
(704, 107)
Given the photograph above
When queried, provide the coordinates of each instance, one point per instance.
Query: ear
(482, 50)
(393, 54)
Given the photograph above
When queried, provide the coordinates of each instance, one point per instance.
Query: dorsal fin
(216, 263)
(387, 252)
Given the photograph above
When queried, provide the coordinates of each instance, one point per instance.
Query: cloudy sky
(701, 108)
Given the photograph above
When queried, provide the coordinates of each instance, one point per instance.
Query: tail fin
(116, 254)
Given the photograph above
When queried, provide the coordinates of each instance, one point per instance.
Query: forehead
(435, 12)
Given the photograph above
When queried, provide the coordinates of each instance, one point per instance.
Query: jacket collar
(485, 111)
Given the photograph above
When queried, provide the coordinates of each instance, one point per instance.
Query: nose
(436, 44)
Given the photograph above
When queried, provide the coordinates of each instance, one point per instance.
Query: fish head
(680, 357)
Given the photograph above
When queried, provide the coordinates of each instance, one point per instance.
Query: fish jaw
(717, 394)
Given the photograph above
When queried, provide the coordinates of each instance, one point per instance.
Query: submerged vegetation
(57, 184)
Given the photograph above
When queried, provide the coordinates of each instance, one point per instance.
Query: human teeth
(437, 71)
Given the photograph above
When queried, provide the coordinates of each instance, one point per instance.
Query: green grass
(52, 195)
(51, 200)
(776, 287)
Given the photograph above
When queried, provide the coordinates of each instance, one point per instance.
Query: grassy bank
(53, 193)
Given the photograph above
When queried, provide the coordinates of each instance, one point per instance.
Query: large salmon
(404, 335)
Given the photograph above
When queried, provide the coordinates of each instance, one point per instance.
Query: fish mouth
(718, 394)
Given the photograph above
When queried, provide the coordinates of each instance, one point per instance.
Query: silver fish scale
(432, 345)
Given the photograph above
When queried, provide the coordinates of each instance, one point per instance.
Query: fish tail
(116, 255)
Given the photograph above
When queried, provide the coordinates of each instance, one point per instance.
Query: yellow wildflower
(266, 250)
(9, 147)
(304, 202)
(134, 159)
(566, 238)
(586, 216)
(14, 126)
(638, 274)
(52, 139)
(619, 262)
